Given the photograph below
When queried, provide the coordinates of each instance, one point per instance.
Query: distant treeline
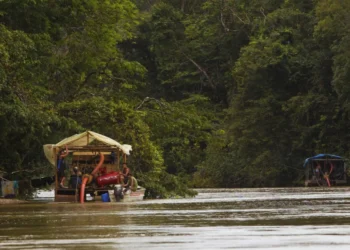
(210, 93)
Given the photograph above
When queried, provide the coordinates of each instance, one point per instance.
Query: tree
(270, 71)
(26, 113)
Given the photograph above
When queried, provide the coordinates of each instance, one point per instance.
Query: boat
(92, 162)
(325, 170)
(129, 196)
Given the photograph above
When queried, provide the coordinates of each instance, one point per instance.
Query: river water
(276, 219)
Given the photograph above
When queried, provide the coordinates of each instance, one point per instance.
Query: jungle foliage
(210, 93)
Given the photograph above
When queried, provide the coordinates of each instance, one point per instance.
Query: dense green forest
(210, 93)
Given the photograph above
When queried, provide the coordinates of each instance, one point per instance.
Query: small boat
(93, 161)
(325, 170)
(128, 196)
(134, 195)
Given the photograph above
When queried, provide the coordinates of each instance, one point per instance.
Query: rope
(298, 169)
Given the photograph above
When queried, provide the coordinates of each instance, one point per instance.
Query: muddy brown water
(279, 218)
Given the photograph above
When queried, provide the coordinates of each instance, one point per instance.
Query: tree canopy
(210, 93)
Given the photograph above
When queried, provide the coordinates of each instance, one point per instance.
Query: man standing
(61, 166)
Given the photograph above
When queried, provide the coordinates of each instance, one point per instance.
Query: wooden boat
(93, 161)
(129, 196)
(325, 170)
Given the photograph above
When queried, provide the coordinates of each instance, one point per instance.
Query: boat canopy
(321, 156)
(83, 140)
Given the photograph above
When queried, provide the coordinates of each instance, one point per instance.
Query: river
(276, 219)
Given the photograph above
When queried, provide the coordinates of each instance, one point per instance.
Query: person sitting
(131, 184)
(125, 173)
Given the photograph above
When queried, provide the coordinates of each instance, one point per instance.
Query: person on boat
(61, 166)
(125, 173)
(318, 171)
(113, 157)
(75, 178)
(131, 184)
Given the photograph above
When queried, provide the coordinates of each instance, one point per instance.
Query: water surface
(280, 218)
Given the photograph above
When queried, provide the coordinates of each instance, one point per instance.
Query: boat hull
(129, 196)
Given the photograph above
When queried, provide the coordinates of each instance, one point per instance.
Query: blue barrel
(105, 197)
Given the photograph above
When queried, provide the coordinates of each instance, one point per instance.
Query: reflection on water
(283, 218)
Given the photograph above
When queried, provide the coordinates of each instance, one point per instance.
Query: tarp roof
(81, 140)
(321, 156)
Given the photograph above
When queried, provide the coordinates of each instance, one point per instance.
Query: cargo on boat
(88, 168)
(325, 170)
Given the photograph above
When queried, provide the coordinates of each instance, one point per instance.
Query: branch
(222, 17)
(24, 170)
(98, 71)
(222, 22)
(202, 70)
(233, 13)
(262, 12)
(143, 101)
(147, 99)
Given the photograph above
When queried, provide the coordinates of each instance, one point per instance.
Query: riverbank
(39, 195)
(11, 201)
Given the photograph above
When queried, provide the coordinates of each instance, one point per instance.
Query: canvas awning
(81, 140)
(321, 156)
